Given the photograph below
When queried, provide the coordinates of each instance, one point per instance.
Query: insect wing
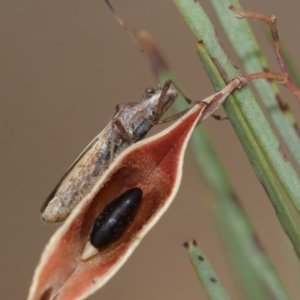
(73, 165)
(52, 194)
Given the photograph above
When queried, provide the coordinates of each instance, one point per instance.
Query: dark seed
(115, 217)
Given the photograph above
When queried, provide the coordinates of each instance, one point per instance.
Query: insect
(131, 123)
(115, 218)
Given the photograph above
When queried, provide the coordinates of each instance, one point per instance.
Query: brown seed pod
(155, 166)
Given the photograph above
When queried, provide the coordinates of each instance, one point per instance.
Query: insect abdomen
(115, 217)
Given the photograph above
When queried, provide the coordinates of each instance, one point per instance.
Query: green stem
(249, 123)
(205, 273)
(246, 47)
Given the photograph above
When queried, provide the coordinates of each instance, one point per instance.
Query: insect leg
(162, 106)
(125, 105)
(218, 117)
(119, 133)
(214, 101)
(164, 91)
(174, 117)
(125, 132)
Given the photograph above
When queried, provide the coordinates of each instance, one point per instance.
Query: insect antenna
(131, 35)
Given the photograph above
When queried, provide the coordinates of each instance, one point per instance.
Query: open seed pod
(70, 268)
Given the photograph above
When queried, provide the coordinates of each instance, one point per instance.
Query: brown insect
(131, 123)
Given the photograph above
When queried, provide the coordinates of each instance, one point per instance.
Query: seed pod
(155, 166)
(115, 218)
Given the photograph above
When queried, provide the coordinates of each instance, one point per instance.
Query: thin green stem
(205, 273)
(248, 121)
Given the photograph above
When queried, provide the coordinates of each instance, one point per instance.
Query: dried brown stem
(271, 21)
(267, 75)
(285, 80)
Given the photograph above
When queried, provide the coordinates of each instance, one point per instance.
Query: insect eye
(149, 92)
(115, 218)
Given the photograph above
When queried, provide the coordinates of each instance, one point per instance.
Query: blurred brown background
(65, 66)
